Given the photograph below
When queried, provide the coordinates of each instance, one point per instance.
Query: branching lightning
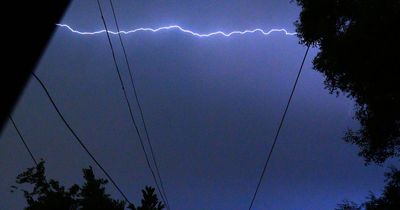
(176, 27)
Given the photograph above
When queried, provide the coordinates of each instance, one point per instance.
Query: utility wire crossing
(139, 105)
(78, 139)
(23, 140)
(278, 131)
(129, 105)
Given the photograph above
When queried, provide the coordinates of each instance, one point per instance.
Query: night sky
(212, 107)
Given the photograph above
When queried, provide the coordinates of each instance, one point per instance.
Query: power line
(279, 129)
(79, 139)
(128, 103)
(138, 102)
(23, 140)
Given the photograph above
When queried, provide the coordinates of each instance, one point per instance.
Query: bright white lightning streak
(266, 33)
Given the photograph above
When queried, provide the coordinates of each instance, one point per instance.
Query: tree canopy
(389, 200)
(48, 194)
(358, 55)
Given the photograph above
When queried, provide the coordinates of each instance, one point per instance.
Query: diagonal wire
(279, 129)
(79, 139)
(23, 140)
(138, 102)
(128, 103)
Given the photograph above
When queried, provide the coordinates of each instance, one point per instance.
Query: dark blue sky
(212, 106)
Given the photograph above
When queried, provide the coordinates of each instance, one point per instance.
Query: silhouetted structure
(359, 57)
(26, 31)
(49, 194)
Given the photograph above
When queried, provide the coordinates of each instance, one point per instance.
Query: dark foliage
(348, 205)
(92, 194)
(149, 201)
(389, 200)
(359, 57)
(47, 194)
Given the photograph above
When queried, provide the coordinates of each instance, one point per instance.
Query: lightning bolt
(176, 27)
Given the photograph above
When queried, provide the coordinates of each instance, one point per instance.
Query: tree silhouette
(46, 194)
(358, 55)
(149, 201)
(348, 205)
(389, 200)
(50, 195)
(92, 194)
